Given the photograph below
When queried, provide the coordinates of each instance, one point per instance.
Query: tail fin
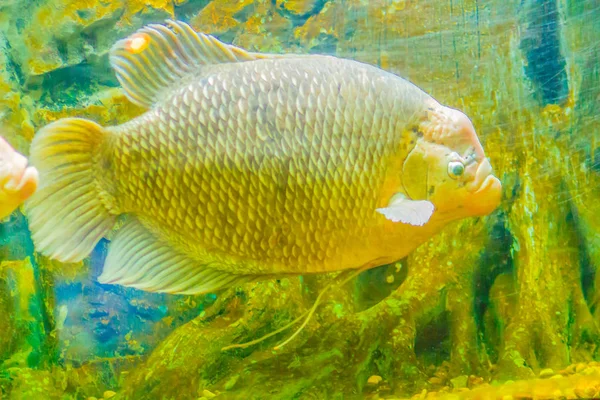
(66, 215)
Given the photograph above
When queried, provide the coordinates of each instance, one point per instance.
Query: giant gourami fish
(18, 181)
(248, 166)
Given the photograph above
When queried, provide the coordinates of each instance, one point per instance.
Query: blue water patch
(110, 320)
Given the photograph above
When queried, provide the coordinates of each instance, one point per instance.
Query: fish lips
(485, 191)
(19, 177)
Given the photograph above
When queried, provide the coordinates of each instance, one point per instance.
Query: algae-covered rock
(34, 384)
(57, 34)
(22, 335)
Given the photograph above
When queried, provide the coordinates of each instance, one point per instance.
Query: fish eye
(455, 169)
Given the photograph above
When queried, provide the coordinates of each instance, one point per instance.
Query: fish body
(272, 166)
(250, 165)
(18, 181)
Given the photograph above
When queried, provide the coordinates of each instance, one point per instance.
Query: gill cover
(413, 209)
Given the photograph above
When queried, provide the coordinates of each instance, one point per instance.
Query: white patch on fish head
(448, 166)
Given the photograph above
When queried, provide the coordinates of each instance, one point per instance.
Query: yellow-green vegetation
(578, 381)
(489, 301)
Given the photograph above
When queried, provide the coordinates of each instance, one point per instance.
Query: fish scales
(248, 166)
(257, 173)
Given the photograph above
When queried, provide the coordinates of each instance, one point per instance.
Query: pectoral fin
(407, 211)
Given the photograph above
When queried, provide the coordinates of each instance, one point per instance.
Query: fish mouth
(21, 178)
(486, 198)
(483, 172)
(485, 191)
(489, 183)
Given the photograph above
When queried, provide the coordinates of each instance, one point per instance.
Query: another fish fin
(151, 62)
(67, 216)
(136, 258)
(412, 212)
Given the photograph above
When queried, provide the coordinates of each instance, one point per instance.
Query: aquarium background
(505, 305)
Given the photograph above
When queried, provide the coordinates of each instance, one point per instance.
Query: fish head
(448, 166)
(17, 181)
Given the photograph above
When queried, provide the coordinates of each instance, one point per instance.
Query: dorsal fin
(151, 62)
